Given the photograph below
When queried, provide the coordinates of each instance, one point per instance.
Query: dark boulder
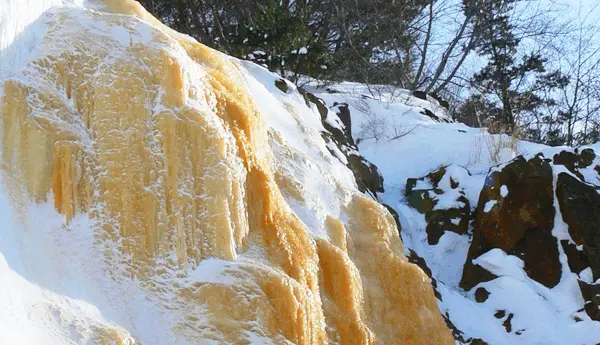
(429, 113)
(591, 297)
(481, 295)
(433, 116)
(343, 113)
(580, 207)
(528, 203)
(282, 85)
(500, 314)
(423, 95)
(321, 107)
(507, 323)
(440, 100)
(574, 161)
(453, 219)
(515, 213)
(366, 174)
(420, 94)
(576, 259)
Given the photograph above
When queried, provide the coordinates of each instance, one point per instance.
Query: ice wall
(155, 136)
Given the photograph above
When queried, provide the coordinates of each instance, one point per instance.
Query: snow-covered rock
(510, 307)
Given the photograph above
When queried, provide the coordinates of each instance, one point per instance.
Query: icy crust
(178, 206)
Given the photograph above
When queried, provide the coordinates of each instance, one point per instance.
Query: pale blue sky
(586, 6)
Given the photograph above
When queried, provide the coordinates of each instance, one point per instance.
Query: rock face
(441, 198)
(591, 296)
(515, 213)
(580, 208)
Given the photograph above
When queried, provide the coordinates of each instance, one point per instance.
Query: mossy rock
(424, 200)
(421, 200)
(282, 85)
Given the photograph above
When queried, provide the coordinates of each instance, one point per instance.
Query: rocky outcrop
(515, 213)
(591, 297)
(283, 85)
(574, 161)
(580, 207)
(442, 200)
(423, 95)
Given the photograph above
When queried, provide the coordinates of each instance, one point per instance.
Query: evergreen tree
(369, 41)
(516, 84)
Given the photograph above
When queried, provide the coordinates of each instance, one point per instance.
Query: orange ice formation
(161, 142)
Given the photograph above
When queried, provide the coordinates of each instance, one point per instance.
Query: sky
(586, 6)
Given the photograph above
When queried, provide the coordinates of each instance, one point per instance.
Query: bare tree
(579, 58)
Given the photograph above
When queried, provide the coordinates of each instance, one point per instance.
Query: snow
(449, 199)
(56, 276)
(534, 306)
(16, 45)
(422, 144)
(56, 283)
(334, 121)
(58, 279)
(586, 275)
(410, 146)
(499, 263)
(300, 127)
(337, 153)
(489, 205)
(423, 185)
